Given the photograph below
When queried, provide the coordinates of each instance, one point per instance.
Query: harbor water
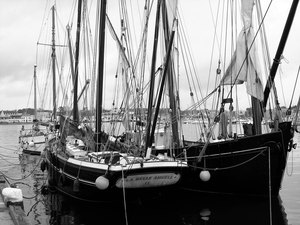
(49, 207)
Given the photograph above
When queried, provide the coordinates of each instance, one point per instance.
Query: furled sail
(244, 66)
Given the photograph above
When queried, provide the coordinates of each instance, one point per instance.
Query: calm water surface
(54, 208)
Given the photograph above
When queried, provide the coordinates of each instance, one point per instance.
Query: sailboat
(91, 165)
(254, 162)
(32, 141)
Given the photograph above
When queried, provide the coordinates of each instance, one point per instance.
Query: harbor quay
(11, 212)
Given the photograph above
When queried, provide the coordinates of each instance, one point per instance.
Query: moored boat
(89, 164)
(32, 141)
(252, 162)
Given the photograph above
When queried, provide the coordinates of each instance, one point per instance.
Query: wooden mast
(166, 66)
(75, 96)
(53, 56)
(34, 86)
(152, 78)
(100, 71)
(278, 54)
(71, 54)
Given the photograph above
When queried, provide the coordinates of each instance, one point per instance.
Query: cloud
(21, 22)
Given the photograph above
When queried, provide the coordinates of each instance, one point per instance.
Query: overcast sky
(20, 25)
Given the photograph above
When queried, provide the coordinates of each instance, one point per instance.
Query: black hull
(63, 176)
(252, 165)
(248, 166)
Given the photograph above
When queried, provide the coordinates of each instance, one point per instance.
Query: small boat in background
(32, 141)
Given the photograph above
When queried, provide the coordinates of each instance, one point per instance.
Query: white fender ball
(205, 212)
(102, 183)
(204, 175)
(12, 194)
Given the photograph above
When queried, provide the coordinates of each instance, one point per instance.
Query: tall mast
(170, 73)
(53, 56)
(152, 78)
(71, 54)
(100, 70)
(34, 86)
(168, 56)
(75, 103)
(278, 54)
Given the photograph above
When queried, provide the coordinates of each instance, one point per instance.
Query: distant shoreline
(14, 123)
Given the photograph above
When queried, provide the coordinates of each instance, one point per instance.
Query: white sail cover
(245, 66)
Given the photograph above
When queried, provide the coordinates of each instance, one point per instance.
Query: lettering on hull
(148, 180)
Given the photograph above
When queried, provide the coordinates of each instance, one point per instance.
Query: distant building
(24, 116)
(15, 117)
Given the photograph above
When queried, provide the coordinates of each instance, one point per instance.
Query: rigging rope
(188, 54)
(294, 87)
(228, 167)
(215, 40)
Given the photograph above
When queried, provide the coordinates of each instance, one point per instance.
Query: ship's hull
(251, 165)
(77, 179)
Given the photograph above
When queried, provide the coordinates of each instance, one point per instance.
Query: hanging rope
(228, 167)
(124, 197)
(294, 87)
(17, 179)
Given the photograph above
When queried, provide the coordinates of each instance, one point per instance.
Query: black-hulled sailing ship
(252, 163)
(91, 165)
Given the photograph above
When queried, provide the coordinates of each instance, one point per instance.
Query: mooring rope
(229, 167)
(270, 187)
(33, 206)
(124, 197)
(17, 179)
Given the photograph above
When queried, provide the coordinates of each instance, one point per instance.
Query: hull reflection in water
(203, 210)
